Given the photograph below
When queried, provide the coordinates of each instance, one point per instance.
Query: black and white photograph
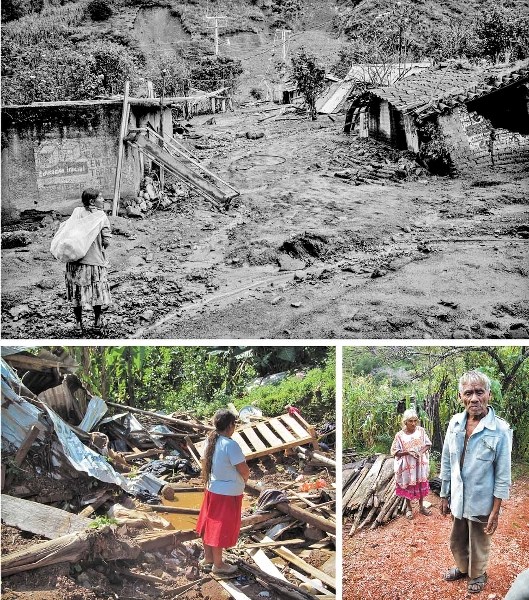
(270, 169)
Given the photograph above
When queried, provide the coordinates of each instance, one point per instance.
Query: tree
(211, 73)
(382, 42)
(378, 380)
(309, 77)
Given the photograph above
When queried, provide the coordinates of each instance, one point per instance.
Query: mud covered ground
(301, 253)
(406, 559)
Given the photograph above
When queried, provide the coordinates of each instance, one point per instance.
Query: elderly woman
(225, 474)
(86, 279)
(411, 448)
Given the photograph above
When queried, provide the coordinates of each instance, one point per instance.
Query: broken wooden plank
(174, 509)
(297, 512)
(315, 573)
(285, 589)
(92, 507)
(233, 591)
(71, 548)
(317, 456)
(40, 519)
(32, 435)
(152, 540)
(292, 542)
(313, 583)
(131, 456)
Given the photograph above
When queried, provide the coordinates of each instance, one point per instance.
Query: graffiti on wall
(75, 163)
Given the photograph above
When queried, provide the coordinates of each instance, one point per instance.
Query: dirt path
(406, 560)
(301, 253)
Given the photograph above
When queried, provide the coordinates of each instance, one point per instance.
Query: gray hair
(474, 377)
(409, 414)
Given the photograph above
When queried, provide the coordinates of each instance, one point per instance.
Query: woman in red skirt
(225, 473)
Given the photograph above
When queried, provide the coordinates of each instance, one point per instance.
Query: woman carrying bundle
(411, 448)
(225, 473)
(80, 243)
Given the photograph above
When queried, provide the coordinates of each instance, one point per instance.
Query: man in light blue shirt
(476, 475)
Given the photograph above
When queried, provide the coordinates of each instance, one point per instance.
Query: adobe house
(340, 92)
(476, 117)
(52, 151)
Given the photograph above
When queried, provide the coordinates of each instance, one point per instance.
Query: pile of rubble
(113, 500)
(152, 197)
(370, 162)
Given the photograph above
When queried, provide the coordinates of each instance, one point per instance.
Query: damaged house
(454, 116)
(52, 151)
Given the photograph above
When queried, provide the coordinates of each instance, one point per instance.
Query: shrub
(256, 93)
(99, 10)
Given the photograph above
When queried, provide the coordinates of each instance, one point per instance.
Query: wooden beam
(181, 422)
(71, 548)
(32, 435)
(122, 133)
(297, 512)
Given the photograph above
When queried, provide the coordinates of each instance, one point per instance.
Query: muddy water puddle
(183, 500)
(187, 500)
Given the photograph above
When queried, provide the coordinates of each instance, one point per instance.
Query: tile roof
(438, 90)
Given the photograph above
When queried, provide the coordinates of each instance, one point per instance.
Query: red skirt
(219, 521)
(414, 492)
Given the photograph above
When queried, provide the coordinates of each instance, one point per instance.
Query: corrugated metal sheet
(94, 413)
(83, 458)
(18, 416)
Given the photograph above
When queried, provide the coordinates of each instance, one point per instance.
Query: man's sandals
(477, 584)
(474, 586)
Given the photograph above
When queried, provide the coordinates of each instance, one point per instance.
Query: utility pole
(284, 43)
(216, 32)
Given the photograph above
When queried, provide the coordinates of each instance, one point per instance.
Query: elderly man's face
(475, 398)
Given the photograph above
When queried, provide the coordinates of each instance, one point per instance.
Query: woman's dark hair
(88, 195)
(222, 420)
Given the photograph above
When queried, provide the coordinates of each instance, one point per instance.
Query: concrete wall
(51, 153)
(473, 141)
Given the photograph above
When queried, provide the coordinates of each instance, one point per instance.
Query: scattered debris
(115, 497)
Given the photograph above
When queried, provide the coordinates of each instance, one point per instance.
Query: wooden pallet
(271, 436)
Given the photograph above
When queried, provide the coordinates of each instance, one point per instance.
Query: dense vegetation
(199, 380)
(381, 382)
(54, 50)
(388, 31)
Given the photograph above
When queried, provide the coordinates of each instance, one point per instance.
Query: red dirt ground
(406, 559)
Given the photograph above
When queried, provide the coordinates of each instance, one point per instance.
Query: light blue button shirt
(486, 472)
(225, 479)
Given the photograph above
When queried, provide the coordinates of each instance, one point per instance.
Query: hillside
(80, 52)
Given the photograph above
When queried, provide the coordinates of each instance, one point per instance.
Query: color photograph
(435, 472)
